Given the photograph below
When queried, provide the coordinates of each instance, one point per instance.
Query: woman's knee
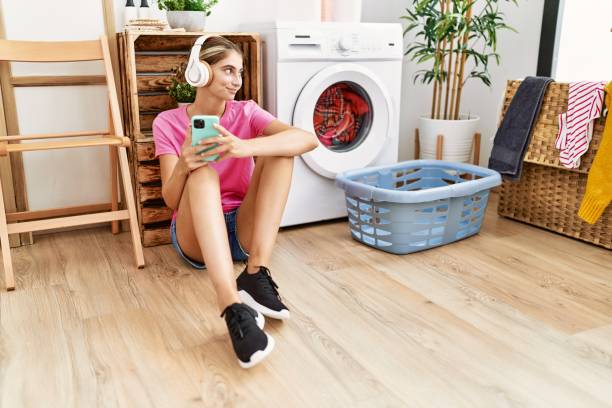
(202, 177)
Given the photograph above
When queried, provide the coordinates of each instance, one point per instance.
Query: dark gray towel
(514, 133)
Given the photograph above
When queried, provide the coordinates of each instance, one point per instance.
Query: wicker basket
(549, 195)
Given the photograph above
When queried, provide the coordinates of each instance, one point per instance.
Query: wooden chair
(29, 221)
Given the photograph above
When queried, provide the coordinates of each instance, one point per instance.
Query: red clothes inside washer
(339, 115)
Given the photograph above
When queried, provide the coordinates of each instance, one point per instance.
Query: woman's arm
(282, 140)
(279, 139)
(175, 170)
(174, 175)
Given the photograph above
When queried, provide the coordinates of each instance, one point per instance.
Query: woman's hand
(228, 145)
(189, 158)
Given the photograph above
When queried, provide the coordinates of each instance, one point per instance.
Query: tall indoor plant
(188, 14)
(451, 34)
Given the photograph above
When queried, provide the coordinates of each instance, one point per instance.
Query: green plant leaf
(431, 27)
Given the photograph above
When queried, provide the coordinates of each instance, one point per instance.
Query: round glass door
(349, 110)
(343, 116)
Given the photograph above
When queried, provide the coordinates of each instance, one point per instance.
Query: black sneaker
(259, 291)
(245, 326)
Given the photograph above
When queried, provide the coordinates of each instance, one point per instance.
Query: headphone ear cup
(207, 73)
(193, 73)
(198, 74)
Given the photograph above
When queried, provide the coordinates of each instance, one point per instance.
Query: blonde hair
(215, 49)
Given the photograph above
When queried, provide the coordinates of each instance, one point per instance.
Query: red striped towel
(585, 102)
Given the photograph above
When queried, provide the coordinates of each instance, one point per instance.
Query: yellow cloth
(599, 184)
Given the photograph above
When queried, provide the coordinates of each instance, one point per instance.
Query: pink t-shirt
(244, 119)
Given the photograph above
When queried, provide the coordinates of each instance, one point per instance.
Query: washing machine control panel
(352, 44)
(344, 42)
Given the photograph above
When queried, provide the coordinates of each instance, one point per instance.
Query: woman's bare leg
(262, 209)
(202, 235)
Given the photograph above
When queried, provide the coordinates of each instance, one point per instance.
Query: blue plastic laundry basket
(416, 205)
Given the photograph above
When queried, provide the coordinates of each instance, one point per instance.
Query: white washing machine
(341, 81)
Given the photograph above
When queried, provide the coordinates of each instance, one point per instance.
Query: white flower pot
(189, 20)
(458, 137)
(342, 10)
(183, 103)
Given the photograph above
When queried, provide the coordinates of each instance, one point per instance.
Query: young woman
(230, 209)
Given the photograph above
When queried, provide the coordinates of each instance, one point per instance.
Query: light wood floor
(516, 316)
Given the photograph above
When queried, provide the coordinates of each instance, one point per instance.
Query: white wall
(229, 15)
(47, 110)
(583, 50)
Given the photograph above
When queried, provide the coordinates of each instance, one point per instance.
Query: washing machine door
(349, 109)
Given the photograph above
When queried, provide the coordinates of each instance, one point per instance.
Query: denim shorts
(238, 253)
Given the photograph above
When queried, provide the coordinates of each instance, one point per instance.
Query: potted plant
(188, 14)
(451, 33)
(179, 90)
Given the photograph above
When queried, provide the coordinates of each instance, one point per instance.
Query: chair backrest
(68, 51)
(50, 51)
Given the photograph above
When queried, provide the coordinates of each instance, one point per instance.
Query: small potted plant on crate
(188, 14)
(179, 90)
(451, 33)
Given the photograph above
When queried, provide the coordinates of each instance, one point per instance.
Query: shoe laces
(265, 278)
(237, 315)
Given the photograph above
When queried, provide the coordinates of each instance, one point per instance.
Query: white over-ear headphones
(198, 73)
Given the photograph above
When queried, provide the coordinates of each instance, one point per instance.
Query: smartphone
(202, 128)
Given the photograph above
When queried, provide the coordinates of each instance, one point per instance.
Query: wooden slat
(159, 63)
(12, 128)
(114, 167)
(27, 147)
(153, 83)
(145, 151)
(130, 203)
(148, 193)
(148, 173)
(155, 103)
(255, 73)
(152, 215)
(132, 90)
(6, 174)
(246, 79)
(58, 80)
(477, 138)
(115, 114)
(156, 236)
(125, 111)
(110, 31)
(135, 183)
(178, 42)
(54, 135)
(57, 212)
(67, 221)
(146, 121)
(6, 163)
(50, 51)
(147, 139)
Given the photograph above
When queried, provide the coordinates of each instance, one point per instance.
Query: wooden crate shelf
(147, 61)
